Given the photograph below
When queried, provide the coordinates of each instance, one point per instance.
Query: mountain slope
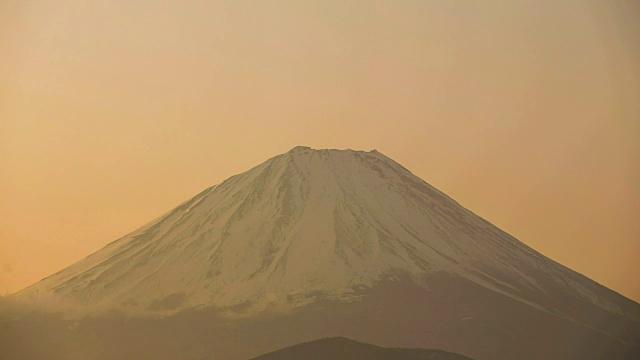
(346, 349)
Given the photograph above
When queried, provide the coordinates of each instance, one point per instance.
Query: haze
(113, 112)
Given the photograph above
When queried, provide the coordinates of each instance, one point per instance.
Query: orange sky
(525, 112)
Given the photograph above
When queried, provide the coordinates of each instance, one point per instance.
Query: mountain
(345, 349)
(323, 243)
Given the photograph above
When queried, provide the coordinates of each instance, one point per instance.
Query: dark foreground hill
(340, 348)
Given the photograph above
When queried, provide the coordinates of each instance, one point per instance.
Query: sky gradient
(525, 112)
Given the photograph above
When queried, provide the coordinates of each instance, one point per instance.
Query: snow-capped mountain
(305, 225)
(351, 240)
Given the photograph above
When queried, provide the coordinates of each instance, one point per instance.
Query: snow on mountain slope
(308, 225)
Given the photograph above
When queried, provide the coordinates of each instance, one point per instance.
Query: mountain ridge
(341, 348)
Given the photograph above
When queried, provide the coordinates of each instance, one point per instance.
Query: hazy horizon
(115, 112)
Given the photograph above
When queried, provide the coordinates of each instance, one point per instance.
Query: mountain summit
(323, 243)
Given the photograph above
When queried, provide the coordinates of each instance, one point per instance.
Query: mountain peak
(307, 149)
(299, 148)
(327, 164)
